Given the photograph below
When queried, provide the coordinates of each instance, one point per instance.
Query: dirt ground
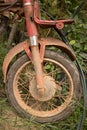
(9, 120)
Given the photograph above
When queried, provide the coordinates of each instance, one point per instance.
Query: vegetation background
(77, 35)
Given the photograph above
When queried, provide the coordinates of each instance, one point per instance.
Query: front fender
(43, 43)
(55, 42)
(10, 55)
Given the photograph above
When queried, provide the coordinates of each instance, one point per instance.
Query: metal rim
(37, 108)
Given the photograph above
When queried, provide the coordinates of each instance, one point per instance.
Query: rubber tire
(71, 69)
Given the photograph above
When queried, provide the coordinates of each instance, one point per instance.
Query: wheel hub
(50, 89)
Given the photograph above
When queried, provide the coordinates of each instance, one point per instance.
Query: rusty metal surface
(49, 23)
(13, 52)
(9, 1)
(49, 42)
(27, 50)
(38, 69)
(50, 89)
(55, 42)
(35, 105)
(43, 43)
(5, 4)
(30, 24)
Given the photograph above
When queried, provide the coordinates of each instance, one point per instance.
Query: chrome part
(33, 41)
(27, 4)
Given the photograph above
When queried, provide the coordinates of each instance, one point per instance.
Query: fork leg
(33, 34)
(37, 66)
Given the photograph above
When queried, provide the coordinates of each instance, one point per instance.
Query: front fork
(33, 34)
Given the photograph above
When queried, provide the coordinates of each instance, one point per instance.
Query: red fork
(33, 34)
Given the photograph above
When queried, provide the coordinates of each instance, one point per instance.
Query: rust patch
(13, 52)
(43, 42)
(55, 42)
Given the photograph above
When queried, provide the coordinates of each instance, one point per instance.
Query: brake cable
(82, 77)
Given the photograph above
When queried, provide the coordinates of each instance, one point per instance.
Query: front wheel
(62, 82)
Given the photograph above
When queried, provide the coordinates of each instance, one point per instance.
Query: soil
(9, 120)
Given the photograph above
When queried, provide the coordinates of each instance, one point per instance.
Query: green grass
(9, 120)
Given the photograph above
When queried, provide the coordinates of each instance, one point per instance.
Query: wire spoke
(22, 85)
(36, 105)
(51, 105)
(53, 72)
